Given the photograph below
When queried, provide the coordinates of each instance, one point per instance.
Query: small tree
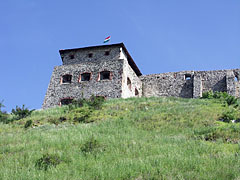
(21, 113)
(3, 115)
(1, 106)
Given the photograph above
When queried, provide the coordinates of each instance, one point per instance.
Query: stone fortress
(109, 71)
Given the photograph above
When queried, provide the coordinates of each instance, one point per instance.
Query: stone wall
(213, 80)
(93, 60)
(220, 80)
(234, 84)
(168, 84)
(237, 82)
(188, 84)
(108, 88)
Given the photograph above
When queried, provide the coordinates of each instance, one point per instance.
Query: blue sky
(161, 36)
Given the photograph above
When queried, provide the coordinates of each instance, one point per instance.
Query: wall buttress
(197, 85)
(231, 89)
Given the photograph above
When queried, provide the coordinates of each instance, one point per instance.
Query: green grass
(136, 138)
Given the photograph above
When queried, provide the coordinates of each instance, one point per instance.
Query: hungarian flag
(107, 39)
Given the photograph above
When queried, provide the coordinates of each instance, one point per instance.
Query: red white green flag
(107, 39)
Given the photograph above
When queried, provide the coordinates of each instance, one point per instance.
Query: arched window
(129, 83)
(236, 78)
(85, 77)
(136, 92)
(67, 79)
(66, 101)
(104, 75)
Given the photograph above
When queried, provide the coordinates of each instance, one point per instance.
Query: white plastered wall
(128, 72)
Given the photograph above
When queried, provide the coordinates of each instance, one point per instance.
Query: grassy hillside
(136, 138)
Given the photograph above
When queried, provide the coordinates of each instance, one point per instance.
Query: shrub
(62, 119)
(231, 100)
(47, 161)
(229, 115)
(224, 97)
(228, 133)
(1, 106)
(21, 113)
(220, 95)
(3, 115)
(96, 102)
(207, 95)
(80, 114)
(77, 103)
(28, 124)
(56, 120)
(207, 134)
(53, 120)
(91, 146)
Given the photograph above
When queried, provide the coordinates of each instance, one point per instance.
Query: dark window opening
(107, 53)
(90, 55)
(129, 83)
(104, 75)
(101, 97)
(66, 78)
(85, 77)
(136, 92)
(66, 101)
(188, 77)
(236, 78)
(71, 56)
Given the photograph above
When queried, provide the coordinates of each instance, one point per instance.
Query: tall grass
(136, 138)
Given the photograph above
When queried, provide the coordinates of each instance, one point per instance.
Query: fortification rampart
(109, 71)
(191, 84)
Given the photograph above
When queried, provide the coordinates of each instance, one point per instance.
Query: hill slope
(136, 138)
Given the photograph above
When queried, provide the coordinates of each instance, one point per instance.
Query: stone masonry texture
(125, 79)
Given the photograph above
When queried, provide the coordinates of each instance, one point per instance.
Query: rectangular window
(71, 56)
(67, 79)
(188, 77)
(105, 75)
(107, 53)
(90, 55)
(66, 101)
(85, 76)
